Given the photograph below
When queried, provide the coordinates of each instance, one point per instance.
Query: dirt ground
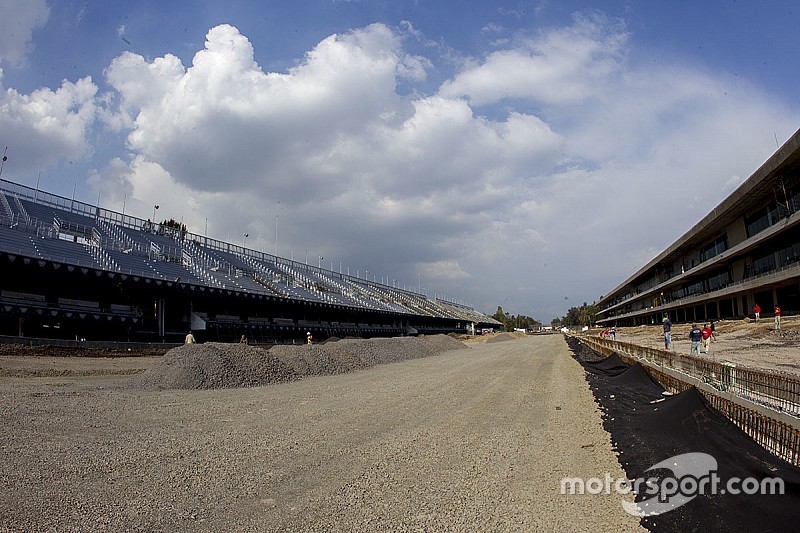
(475, 439)
(745, 342)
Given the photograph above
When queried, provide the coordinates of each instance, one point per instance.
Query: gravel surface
(471, 439)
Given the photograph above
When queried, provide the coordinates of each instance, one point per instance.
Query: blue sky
(524, 154)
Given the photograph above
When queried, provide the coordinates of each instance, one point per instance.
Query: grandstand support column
(160, 307)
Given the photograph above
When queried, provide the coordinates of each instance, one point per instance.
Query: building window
(714, 248)
(719, 280)
(764, 218)
(789, 255)
(764, 264)
(689, 290)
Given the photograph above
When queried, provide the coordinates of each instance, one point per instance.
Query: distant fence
(765, 405)
(101, 345)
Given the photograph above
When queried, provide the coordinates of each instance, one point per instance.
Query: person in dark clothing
(695, 335)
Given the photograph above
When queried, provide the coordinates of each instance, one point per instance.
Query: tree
(502, 316)
(512, 322)
(584, 315)
(172, 227)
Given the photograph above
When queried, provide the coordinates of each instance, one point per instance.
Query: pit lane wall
(765, 405)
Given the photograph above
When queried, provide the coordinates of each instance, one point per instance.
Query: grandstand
(71, 270)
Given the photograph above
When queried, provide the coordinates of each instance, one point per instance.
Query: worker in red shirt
(706, 332)
(757, 311)
(777, 317)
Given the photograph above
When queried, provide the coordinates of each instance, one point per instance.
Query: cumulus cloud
(197, 122)
(557, 67)
(47, 125)
(446, 269)
(465, 187)
(330, 137)
(19, 19)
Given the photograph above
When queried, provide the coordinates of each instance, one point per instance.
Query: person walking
(777, 317)
(667, 325)
(309, 338)
(189, 338)
(706, 338)
(757, 311)
(713, 332)
(695, 335)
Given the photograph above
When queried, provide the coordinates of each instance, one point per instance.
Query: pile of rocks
(215, 366)
(500, 337)
(218, 365)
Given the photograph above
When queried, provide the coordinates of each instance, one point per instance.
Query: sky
(524, 154)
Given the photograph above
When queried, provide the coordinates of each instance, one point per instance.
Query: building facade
(746, 251)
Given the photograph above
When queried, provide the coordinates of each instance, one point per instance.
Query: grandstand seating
(44, 226)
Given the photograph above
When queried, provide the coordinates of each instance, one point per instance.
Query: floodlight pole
(3, 162)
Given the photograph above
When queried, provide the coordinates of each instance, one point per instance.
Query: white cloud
(47, 125)
(558, 67)
(196, 122)
(443, 270)
(333, 127)
(18, 20)
(617, 161)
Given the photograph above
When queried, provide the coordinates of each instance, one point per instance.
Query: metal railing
(765, 405)
(771, 389)
(778, 436)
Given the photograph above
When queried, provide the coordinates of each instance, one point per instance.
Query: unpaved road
(474, 439)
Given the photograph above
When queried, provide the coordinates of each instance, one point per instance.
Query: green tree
(172, 227)
(584, 315)
(502, 317)
(511, 322)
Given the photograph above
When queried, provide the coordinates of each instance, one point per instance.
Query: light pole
(155, 207)
(319, 263)
(366, 275)
(276, 235)
(244, 236)
(3, 162)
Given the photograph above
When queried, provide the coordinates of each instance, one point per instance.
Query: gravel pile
(500, 337)
(219, 365)
(215, 366)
